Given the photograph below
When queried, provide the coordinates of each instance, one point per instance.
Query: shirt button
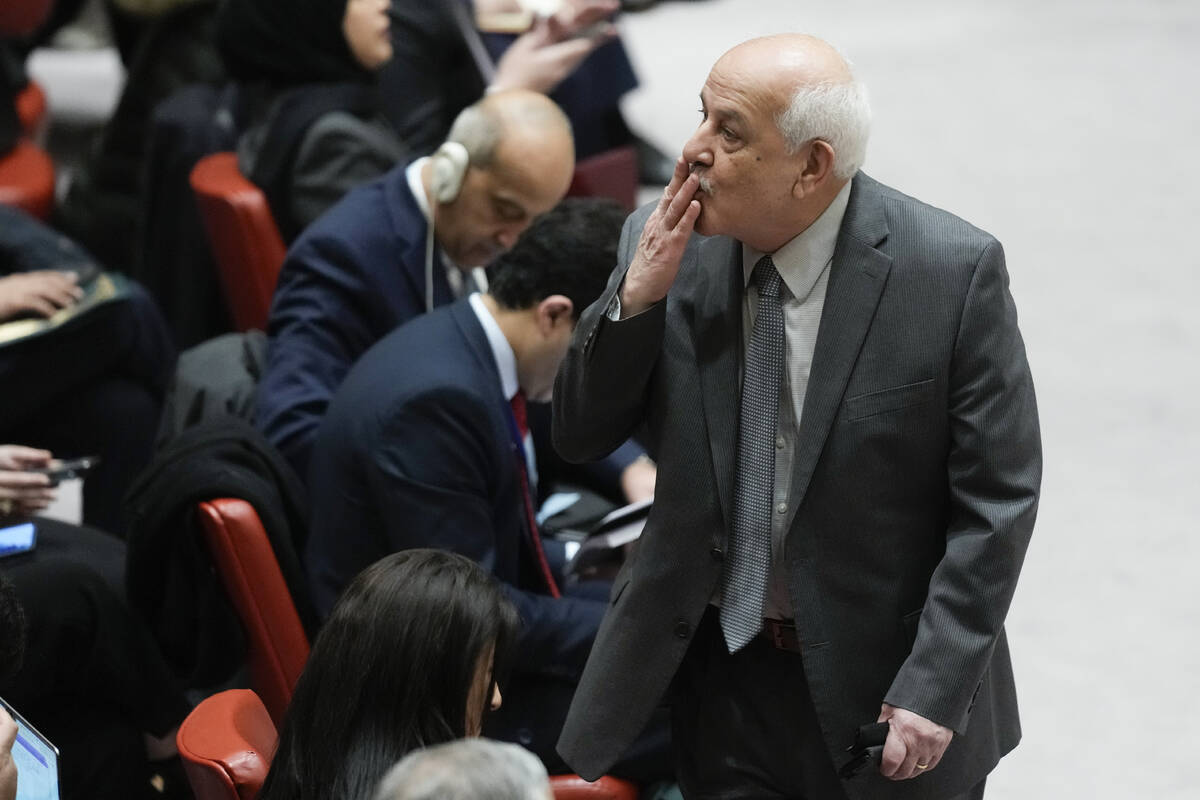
(779, 442)
(781, 508)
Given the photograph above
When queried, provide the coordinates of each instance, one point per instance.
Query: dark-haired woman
(306, 75)
(407, 659)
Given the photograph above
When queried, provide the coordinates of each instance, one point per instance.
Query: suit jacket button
(682, 629)
(717, 554)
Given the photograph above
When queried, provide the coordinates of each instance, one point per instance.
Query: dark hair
(13, 630)
(570, 250)
(391, 671)
(286, 43)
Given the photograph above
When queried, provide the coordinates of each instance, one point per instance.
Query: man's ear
(816, 167)
(553, 311)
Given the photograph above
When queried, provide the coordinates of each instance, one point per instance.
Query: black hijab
(286, 42)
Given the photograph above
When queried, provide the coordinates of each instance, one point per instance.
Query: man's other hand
(8, 770)
(663, 241)
(914, 744)
(638, 479)
(41, 293)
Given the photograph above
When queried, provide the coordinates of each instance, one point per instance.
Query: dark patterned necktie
(744, 579)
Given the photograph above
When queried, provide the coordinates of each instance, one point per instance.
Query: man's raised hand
(661, 247)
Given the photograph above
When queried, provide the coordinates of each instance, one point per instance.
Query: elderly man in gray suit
(831, 378)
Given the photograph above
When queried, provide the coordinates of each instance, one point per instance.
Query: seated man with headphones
(401, 245)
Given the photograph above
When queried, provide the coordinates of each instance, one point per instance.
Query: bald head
(813, 90)
(783, 128)
(512, 116)
(521, 157)
(791, 59)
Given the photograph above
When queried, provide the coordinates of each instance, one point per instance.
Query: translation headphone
(448, 170)
(450, 163)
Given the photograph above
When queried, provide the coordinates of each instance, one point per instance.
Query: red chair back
(573, 787)
(27, 179)
(31, 108)
(243, 235)
(20, 18)
(226, 745)
(612, 173)
(276, 642)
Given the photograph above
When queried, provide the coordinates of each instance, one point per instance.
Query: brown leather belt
(782, 634)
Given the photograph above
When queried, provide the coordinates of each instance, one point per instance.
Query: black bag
(175, 262)
(104, 200)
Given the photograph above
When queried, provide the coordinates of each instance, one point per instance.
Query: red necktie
(518, 409)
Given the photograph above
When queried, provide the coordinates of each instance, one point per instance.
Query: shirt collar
(415, 185)
(506, 359)
(802, 260)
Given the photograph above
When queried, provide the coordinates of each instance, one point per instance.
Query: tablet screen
(36, 760)
(17, 539)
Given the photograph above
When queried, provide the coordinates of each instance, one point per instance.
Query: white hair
(836, 113)
(467, 769)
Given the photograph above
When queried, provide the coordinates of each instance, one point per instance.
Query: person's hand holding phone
(548, 52)
(23, 490)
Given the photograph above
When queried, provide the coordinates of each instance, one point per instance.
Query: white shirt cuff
(614, 308)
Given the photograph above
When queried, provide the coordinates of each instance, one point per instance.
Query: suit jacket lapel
(856, 280)
(718, 342)
(405, 213)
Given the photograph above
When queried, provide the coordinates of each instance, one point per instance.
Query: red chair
(276, 642)
(573, 787)
(22, 17)
(31, 108)
(612, 173)
(26, 172)
(226, 745)
(244, 238)
(27, 179)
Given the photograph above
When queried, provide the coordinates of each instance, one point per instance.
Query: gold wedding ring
(6, 506)
(922, 766)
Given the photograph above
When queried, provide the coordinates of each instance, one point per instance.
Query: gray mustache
(705, 183)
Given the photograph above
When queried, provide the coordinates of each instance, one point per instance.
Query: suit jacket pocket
(894, 399)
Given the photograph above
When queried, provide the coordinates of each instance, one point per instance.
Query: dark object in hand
(866, 750)
(59, 471)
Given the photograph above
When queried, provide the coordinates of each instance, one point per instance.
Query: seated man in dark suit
(422, 447)
(367, 266)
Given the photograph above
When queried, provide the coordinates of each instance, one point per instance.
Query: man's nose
(507, 237)
(697, 149)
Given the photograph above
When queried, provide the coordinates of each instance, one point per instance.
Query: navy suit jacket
(423, 456)
(350, 278)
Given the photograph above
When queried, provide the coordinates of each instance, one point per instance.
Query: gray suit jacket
(915, 483)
